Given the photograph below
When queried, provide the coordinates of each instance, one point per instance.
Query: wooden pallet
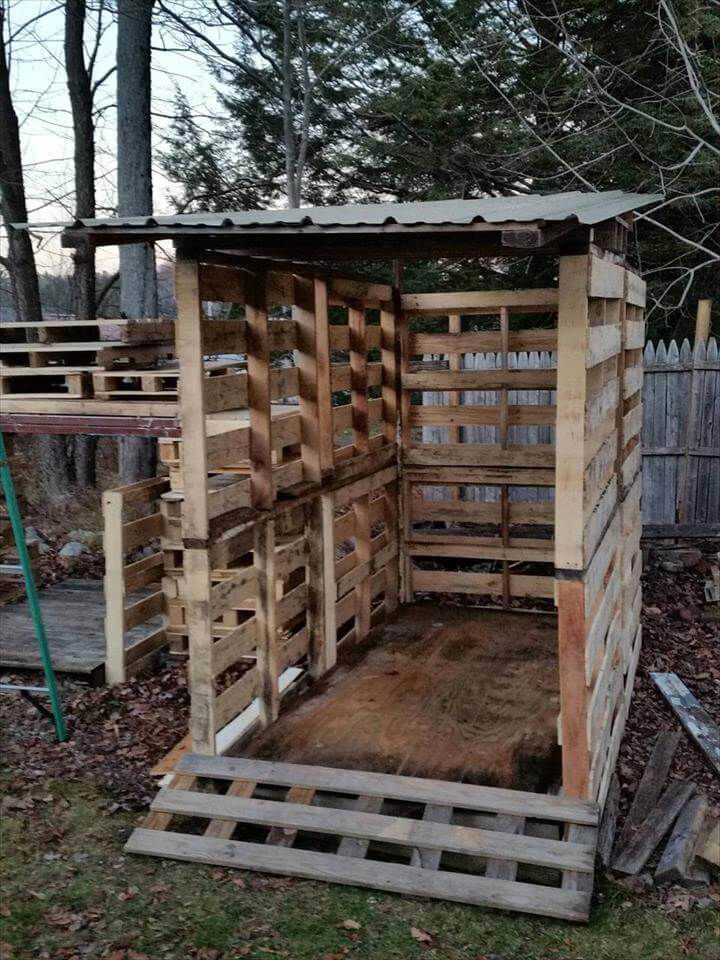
(39, 383)
(468, 844)
(161, 382)
(67, 329)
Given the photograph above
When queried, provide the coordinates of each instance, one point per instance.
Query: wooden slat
(412, 881)
(640, 848)
(481, 301)
(692, 715)
(426, 833)
(429, 857)
(480, 380)
(356, 846)
(505, 869)
(413, 789)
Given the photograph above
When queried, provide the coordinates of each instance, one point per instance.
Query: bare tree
(138, 282)
(81, 90)
(55, 463)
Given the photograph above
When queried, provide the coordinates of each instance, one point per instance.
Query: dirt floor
(448, 692)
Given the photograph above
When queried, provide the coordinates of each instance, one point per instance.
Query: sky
(41, 102)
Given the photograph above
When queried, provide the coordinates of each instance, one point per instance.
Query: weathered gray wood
(606, 833)
(355, 846)
(640, 848)
(679, 852)
(478, 891)
(374, 826)
(429, 859)
(572, 879)
(74, 616)
(507, 869)
(650, 787)
(413, 789)
(692, 715)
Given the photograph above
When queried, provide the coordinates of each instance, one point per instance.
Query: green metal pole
(35, 611)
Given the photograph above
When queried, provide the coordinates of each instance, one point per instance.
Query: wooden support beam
(573, 692)
(114, 587)
(268, 657)
(259, 393)
(195, 524)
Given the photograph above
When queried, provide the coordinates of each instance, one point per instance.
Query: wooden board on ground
(316, 810)
(692, 715)
(74, 617)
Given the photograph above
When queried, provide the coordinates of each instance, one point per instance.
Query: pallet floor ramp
(470, 844)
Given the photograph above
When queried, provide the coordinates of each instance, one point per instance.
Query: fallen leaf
(422, 936)
(350, 925)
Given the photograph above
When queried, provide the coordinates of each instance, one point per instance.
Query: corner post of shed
(195, 520)
(573, 332)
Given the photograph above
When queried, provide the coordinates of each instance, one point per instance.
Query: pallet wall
(281, 524)
(471, 471)
(598, 520)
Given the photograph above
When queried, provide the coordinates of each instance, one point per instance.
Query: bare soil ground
(448, 692)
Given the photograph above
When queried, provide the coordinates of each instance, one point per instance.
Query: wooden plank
(679, 853)
(285, 836)
(570, 430)
(483, 341)
(435, 834)
(195, 522)
(483, 301)
(223, 829)
(692, 715)
(650, 786)
(479, 454)
(606, 833)
(267, 626)
(489, 414)
(356, 846)
(425, 857)
(574, 700)
(114, 586)
(505, 869)
(480, 380)
(412, 881)
(605, 279)
(259, 393)
(413, 789)
(640, 848)
(324, 387)
(440, 581)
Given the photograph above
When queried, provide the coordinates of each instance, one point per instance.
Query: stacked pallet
(60, 357)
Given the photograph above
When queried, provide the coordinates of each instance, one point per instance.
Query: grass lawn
(68, 892)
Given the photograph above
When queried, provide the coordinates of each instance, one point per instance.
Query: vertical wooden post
(196, 557)
(573, 333)
(402, 340)
(361, 440)
(702, 320)
(266, 618)
(262, 492)
(308, 338)
(114, 587)
(326, 430)
(327, 509)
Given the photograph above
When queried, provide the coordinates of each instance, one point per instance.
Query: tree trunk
(138, 283)
(81, 103)
(53, 463)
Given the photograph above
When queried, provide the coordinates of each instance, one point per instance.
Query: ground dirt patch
(448, 692)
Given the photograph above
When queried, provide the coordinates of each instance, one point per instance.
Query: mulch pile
(677, 638)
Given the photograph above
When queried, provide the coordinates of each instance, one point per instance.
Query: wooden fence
(680, 434)
(681, 438)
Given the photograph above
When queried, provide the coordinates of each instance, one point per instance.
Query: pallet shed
(385, 467)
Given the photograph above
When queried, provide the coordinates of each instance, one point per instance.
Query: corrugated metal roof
(585, 208)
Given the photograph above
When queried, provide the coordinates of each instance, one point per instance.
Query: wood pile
(62, 358)
(677, 810)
